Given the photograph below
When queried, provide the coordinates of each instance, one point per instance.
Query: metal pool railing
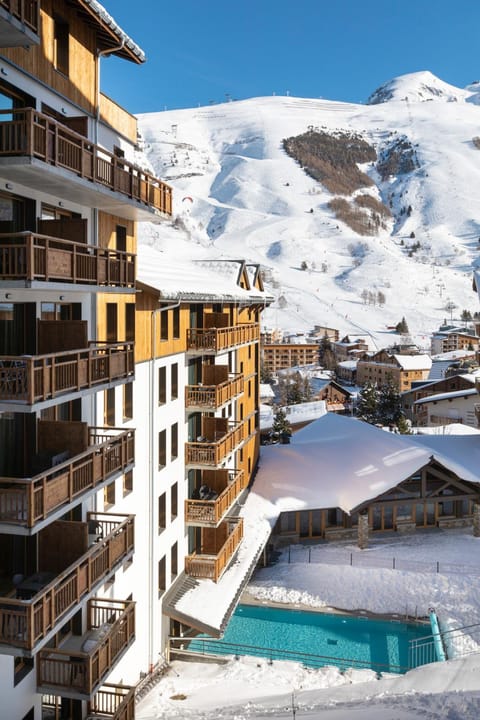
(456, 643)
(212, 647)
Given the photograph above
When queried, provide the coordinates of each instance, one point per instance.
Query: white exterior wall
(140, 578)
(458, 409)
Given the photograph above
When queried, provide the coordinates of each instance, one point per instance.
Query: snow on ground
(250, 688)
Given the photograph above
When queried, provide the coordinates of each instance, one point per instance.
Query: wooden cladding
(36, 135)
(27, 12)
(209, 562)
(211, 397)
(111, 630)
(227, 486)
(32, 379)
(26, 623)
(213, 340)
(30, 256)
(27, 501)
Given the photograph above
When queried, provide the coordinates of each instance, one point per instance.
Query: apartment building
(282, 356)
(74, 604)
(128, 401)
(453, 339)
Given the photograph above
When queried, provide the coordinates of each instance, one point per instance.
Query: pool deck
(248, 599)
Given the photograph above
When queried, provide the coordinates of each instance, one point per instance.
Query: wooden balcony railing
(26, 623)
(213, 453)
(26, 11)
(27, 501)
(34, 378)
(116, 702)
(211, 512)
(209, 566)
(29, 133)
(30, 256)
(211, 397)
(78, 668)
(214, 340)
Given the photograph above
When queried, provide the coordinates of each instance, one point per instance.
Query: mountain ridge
(247, 197)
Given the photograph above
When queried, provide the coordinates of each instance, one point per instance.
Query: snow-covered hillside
(238, 194)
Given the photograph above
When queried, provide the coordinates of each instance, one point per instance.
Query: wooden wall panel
(80, 86)
(107, 225)
(117, 117)
(61, 544)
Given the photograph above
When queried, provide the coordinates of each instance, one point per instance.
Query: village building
(453, 339)
(402, 370)
(461, 406)
(337, 398)
(346, 371)
(320, 331)
(417, 412)
(347, 349)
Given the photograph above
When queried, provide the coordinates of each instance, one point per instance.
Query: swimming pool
(316, 638)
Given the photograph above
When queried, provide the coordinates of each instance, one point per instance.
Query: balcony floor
(64, 184)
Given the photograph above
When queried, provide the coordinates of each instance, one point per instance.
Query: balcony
(211, 397)
(78, 668)
(44, 154)
(111, 702)
(25, 502)
(31, 257)
(216, 550)
(219, 439)
(39, 605)
(19, 23)
(26, 380)
(220, 488)
(209, 341)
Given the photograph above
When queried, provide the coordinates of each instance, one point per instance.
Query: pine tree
(281, 427)
(388, 408)
(367, 406)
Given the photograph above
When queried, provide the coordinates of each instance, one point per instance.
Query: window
(109, 413)
(21, 668)
(174, 441)
(164, 325)
(174, 381)
(161, 575)
(162, 448)
(112, 322)
(121, 235)
(176, 322)
(162, 385)
(174, 560)
(128, 401)
(174, 501)
(61, 49)
(130, 322)
(128, 482)
(109, 494)
(162, 512)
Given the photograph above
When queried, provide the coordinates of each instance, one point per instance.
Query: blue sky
(213, 51)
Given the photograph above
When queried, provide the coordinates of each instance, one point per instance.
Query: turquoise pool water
(316, 639)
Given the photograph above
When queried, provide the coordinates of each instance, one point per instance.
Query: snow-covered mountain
(237, 193)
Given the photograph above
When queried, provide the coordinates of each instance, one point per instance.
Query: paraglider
(187, 197)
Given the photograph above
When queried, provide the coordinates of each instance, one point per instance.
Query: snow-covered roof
(266, 390)
(453, 355)
(106, 20)
(348, 364)
(414, 362)
(296, 414)
(452, 429)
(447, 396)
(191, 281)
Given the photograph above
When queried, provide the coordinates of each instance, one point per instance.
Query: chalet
(358, 480)
(347, 349)
(416, 411)
(337, 398)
